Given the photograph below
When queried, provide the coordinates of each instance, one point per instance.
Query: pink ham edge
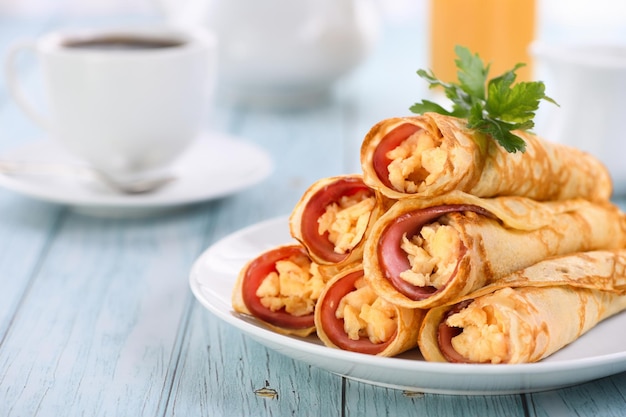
(315, 208)
(445, 334)
(391, 141)
(255, 273)
(393, 260)
(333, 327)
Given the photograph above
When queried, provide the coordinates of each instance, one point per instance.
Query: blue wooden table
(96, 315)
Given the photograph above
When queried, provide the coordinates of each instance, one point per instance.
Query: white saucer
(214, 166)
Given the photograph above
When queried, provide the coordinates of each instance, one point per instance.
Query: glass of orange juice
(500, 31)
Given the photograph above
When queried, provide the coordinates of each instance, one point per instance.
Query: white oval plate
(215, 165)
(597, 354)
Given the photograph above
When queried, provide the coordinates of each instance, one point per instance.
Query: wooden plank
(96, 330)
(26, 227)
(224, 373)
(367, 400)
(605, 397)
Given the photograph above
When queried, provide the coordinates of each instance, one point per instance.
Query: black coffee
(118, 43)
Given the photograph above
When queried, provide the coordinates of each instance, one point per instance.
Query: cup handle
(13, 84)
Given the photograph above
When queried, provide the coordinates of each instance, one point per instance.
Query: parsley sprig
(494, 107)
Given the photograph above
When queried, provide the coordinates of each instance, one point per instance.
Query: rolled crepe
(333, 217)
(431, 154)
(280, 287)
(530, 314)
(421, 254)
(350, 316)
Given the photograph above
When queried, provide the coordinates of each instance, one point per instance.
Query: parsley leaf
(493, 107)
(472, 73)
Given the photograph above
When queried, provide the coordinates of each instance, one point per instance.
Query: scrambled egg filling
(484, 337)
(416, 162)
(364, 314)
(433, 255)
(295, 286)
(346, 221)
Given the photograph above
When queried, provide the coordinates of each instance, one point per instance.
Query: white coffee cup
(588, 80)
(127, 101)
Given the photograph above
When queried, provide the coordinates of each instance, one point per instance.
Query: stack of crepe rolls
(429, 155)
(423, 253)
(529, 314)
(438, 214)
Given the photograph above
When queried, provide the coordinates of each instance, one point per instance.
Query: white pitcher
(282, 52)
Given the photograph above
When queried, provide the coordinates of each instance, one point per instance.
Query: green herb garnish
(493, 107)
